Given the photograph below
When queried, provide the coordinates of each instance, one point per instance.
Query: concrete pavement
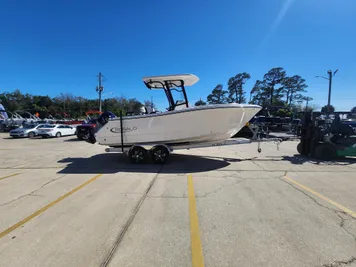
(89, 208)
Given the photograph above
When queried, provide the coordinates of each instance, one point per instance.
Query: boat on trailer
(181, 126)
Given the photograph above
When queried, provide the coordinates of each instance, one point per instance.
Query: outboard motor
(101, 121)
(104, 118)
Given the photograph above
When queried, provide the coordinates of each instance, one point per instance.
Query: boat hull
(191, 125)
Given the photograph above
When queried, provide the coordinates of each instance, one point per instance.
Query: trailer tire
(300, 148)
(325, 152)
(159, 154)
(137, 154)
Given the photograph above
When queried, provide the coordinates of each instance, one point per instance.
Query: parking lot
(65, 202)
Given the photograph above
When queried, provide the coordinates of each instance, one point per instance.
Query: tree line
(275, 89)
(66, 105)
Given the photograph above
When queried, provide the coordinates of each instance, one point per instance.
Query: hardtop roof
(157, 82)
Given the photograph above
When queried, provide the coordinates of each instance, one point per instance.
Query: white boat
(180, 125)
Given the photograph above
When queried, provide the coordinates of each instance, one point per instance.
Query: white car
(56, 130)
(30, 130)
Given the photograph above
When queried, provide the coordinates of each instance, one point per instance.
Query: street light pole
(331, 74)
(329, 96)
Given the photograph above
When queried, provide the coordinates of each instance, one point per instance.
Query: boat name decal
(126, 129)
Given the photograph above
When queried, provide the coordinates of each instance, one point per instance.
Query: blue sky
(49, 47)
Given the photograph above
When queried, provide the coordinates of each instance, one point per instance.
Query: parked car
(30, 130)
(56, 130)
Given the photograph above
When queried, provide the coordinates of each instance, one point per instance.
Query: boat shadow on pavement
(74, 139)
(299, 160)
(296, 159)
(113, 163)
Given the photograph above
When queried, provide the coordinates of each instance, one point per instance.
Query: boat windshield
(175, 92)
(178, 96)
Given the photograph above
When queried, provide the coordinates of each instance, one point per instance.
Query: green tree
(74, 107)
(235, 87)
(200, 103)
(134, 105)
(325, 109)
(217, 96)
(15, 100)
(260, 94)
(272, 78)
(80, 104)
(282, 112)
(294, 87)
(112, 104)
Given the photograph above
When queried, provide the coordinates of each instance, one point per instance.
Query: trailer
(159, 153)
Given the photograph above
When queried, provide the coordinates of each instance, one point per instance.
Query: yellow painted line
(335, 204)
(8, 176)
(197, 250)
(40, 211)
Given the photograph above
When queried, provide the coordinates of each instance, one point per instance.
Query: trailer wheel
(300, 148)
(137, 154)
(325, 152)
(159, 154)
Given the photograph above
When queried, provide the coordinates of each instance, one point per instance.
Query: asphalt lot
(65, 202)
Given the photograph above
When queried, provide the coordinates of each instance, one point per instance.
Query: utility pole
(307, 99)
(100, 88)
